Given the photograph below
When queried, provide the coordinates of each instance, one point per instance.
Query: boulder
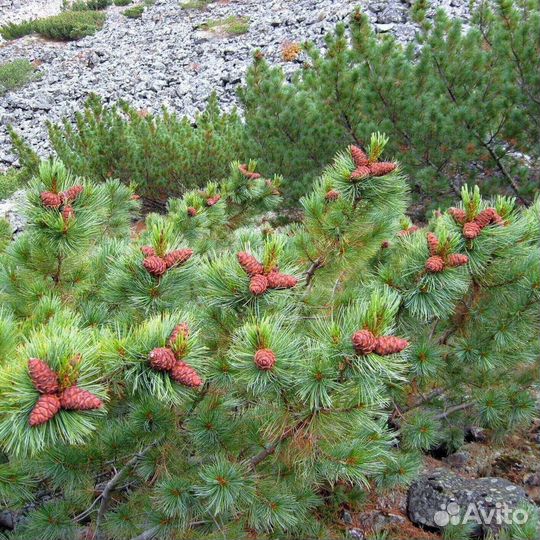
(440, 497)
(11, 210)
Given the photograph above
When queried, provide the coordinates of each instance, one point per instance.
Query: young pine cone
(155, 265)
(162, 359)
(50, 199)
(471, 230)
(277, 280)
(459, 215)
(72, 193)
(249, 263)
(409, 231)
(177, 257)
(382, 168)
(385, 244)
(364, 342)
(435, 264)
(179, 329)
(68, 213)
(248, 174)
(265, 359)
(186, 375)
(359, 156)
(332, 195)
(485, 217)
(457, 259)
(213, 200)
(360, 172)
(191, 211)
(79, 399)
(386, 345)
(43, 377)
(46, 407)
(258, 285)
(433, 243)
(148, 251)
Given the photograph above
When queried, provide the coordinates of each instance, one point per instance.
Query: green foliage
(10, 181)
(66, 26)
(15, 74)
(291, 400)
(458, 104)
(85, 5)
(122, 2)
(163, 154)
(231, 25)
(196, 4)
(134, 12)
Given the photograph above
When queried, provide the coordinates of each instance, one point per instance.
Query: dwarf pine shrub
(215, 376)
(459, 104)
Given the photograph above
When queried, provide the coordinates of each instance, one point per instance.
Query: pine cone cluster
(169, 359)
(192, 211)
(438, 259)
(365, 342)
(365, 167)
(264, 359)
(55, 201)
(157, 266)
(248, 174)
(471, 229)
(262, 280)
(53, 397)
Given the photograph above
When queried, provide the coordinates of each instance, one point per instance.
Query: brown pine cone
(68, 213)
(191, 211)
(359, 156)
(385, 244)
(258, 285)
(409, 231)
(277, 280)
(265, 359)
(457, 259)
(79, 399)
(364, 341)
(43, 377)
(435, 264)
(433, 243)
(177, 257)
(185, 374)
(459, 215)
(162, 359)
(148, 251)
(471, 230)
(382, 168)
(72, 193)
(485, 217)
(213, 200)
(50, 199)
(360, 172)
(332, 195)
(46, 408)
(155, 265)
(390, 345)
(497, 219)
(249, 263)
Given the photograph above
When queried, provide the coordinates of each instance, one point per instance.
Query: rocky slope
(164, 58)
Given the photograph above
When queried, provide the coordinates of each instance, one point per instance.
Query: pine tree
(246, 372)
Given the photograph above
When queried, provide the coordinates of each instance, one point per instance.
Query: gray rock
(11, 210)
(440, 495)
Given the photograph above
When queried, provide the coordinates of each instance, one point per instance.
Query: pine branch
(113, 482)
(452, 410)
(312, 269)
